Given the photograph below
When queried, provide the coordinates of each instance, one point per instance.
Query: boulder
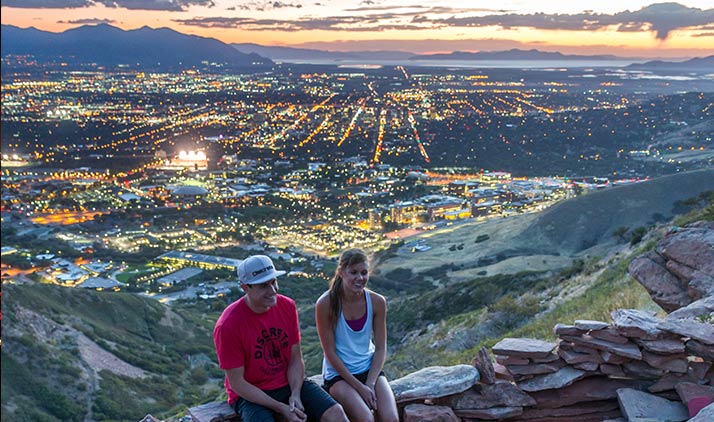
(690, 390)
(482, 362)
(700, 308)
(669, 381)
(548, 359)
(698, 369)
(523, 347)
(612, 358)
(484, 396)
(569, 330)
(424, 413)
(609, 334)
(213, 412)
(612, 370)
(696, 348)
(636, 323)
(628, 350)
(502, 372)
(641, 370)
(665, 288)
(535, 368)
(701, 286)
(681, 271)
(640, 405)
(560, 379)
(587, 325)
(672, 363)
(433, 382)
(590, 417)
(494, 413)
(572, 357)
(511, 360)
(690, 246)
(589, 389)
(587, 366)
(575, 410)
(661, 346)
(699, 331)
(704, 415)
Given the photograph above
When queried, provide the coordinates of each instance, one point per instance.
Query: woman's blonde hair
(348, 258)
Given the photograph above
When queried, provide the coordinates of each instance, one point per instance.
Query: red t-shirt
(260, 343)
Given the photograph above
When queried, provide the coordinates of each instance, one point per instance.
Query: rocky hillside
(74, 355)
(636, 367)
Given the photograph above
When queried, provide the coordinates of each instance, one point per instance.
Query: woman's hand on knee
(368, 395)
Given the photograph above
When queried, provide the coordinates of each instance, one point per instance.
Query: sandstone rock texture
(680, 270)
(424, 413)
(640, 405)
(434, 382)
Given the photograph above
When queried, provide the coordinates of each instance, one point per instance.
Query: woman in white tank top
(352, 325)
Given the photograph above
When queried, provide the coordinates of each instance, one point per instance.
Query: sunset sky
(632, 28)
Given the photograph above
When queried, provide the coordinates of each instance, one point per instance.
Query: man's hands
(294, 411)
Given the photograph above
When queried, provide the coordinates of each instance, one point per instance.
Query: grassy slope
(453, 323)
(587, 220)
(456, 321)
(135, 329)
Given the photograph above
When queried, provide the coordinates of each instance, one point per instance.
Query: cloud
(166, 5)
(331, 23)
(424, 9)
(46, 4)
(90, 21)
(662, 18)
(280, 5)
(261, 6)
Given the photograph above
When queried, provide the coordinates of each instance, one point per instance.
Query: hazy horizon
(630, 28)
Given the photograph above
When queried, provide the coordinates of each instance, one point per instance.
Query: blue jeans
(315, 399)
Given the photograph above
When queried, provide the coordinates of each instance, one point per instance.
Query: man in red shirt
(257, 340)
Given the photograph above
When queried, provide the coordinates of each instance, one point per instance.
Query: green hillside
(54, 339)
(448, 325)
(588, 220)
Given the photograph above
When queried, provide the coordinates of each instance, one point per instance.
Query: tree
(620, 232)
(637, 235)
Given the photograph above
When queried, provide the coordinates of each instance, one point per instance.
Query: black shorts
(327, 384)
(315, 400)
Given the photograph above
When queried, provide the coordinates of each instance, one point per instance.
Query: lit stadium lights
(192, 156)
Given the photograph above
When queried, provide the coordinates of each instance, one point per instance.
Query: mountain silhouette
(107, 45)
(306, 54)
(702, 64)
(513, 54)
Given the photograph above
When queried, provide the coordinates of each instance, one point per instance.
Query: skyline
(630, 28)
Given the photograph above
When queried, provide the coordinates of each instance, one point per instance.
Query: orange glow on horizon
(680, 43)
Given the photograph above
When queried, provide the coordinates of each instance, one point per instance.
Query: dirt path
(98, 359)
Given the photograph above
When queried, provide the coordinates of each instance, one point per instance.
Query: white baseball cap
(257, 269)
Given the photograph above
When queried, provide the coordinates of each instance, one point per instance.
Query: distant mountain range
(146, 47)
(307, 54)
(111, 46)
(513, 54)
(703, 63)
